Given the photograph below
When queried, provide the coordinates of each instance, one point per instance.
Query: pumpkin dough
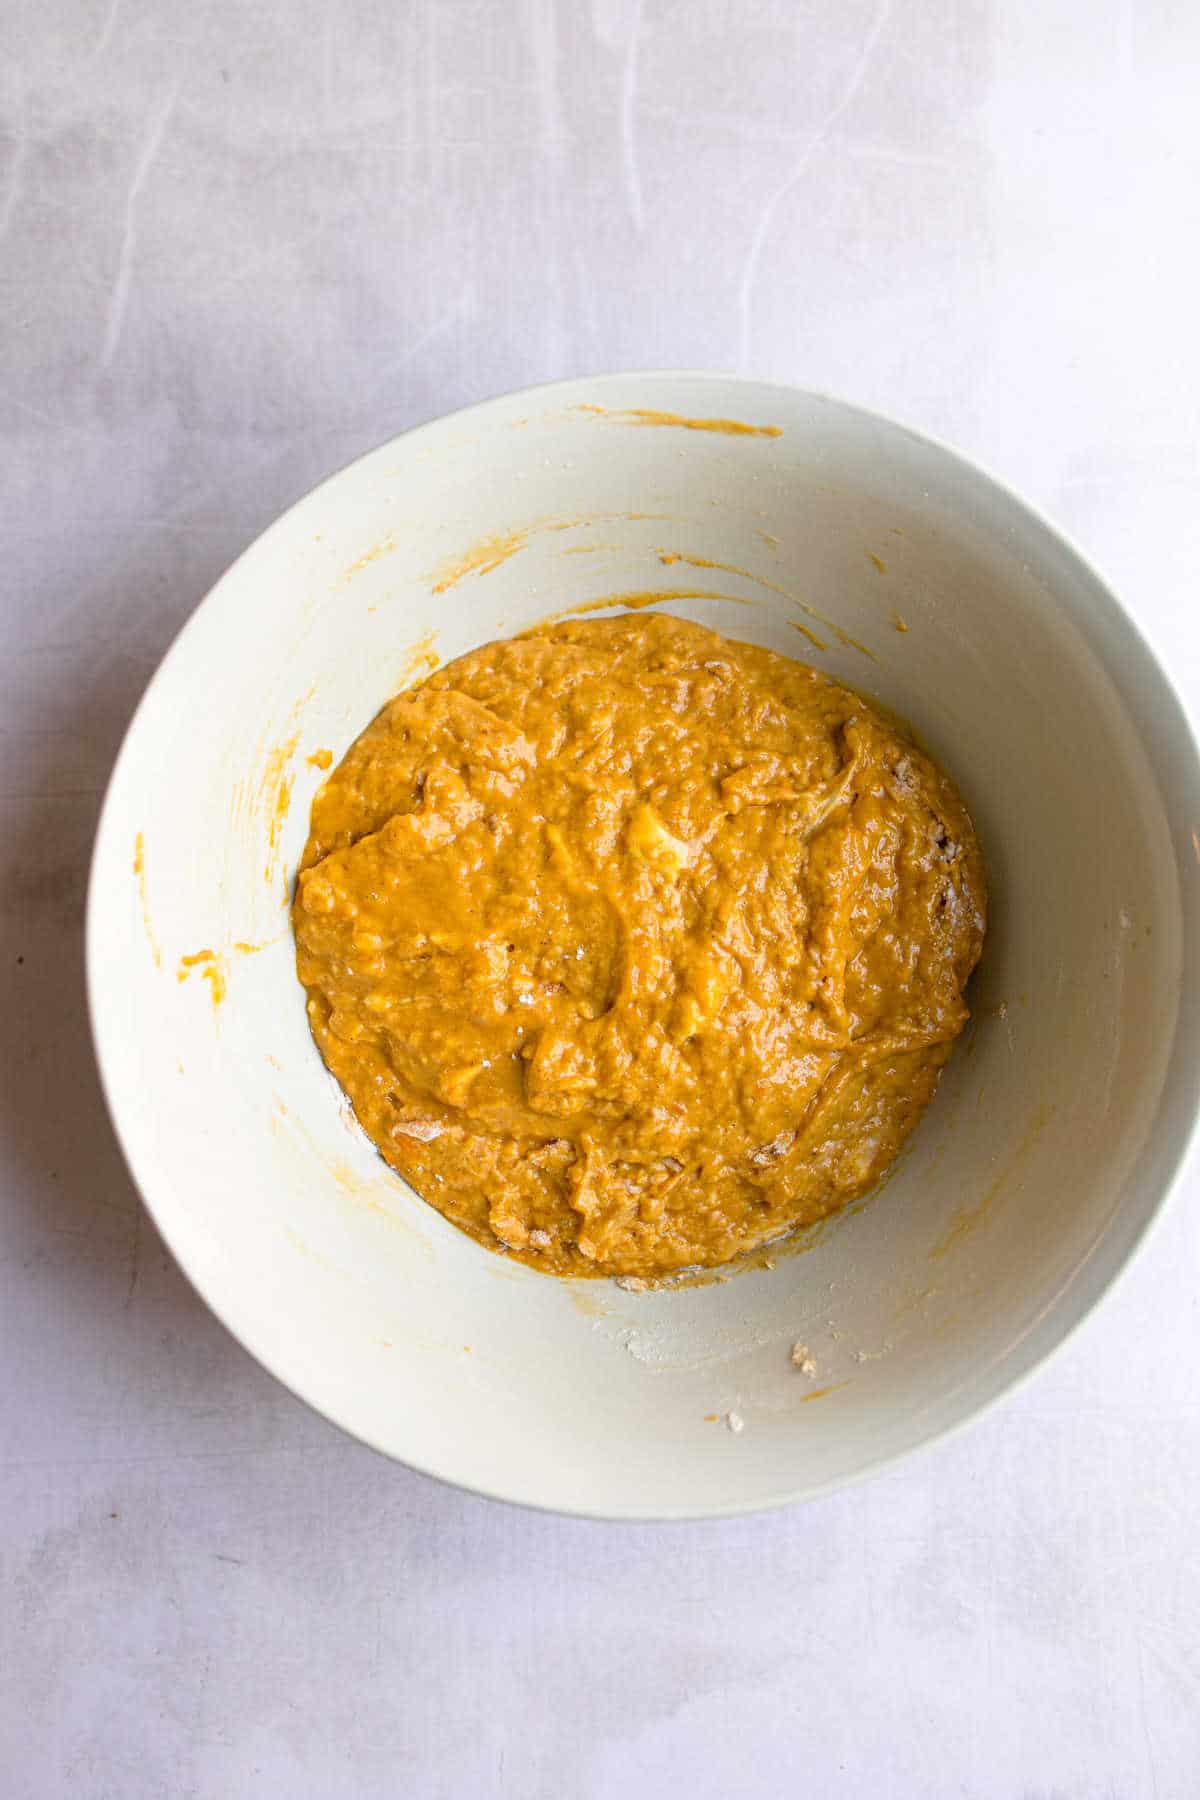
(635, 948)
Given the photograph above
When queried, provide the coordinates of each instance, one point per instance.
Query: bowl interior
(1060, 1119)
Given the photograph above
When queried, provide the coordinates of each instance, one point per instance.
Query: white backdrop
(239, 244)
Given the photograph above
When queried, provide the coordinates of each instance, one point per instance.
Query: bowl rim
(1186, 751)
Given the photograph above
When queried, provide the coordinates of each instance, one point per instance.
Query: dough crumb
(633, 1284)
(802, 1359)
(426, 1131)
(541, 1240)
(735, 1422)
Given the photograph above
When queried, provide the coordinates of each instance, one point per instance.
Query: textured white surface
(238, 245)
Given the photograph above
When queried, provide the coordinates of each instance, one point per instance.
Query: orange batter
(634, 947)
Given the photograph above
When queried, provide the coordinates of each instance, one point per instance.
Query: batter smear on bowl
(634, 947)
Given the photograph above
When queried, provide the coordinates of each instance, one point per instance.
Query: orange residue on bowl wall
(491, 552)
(211, 967)
(805, 632)
(646, 415)
(278, 782)
(420, 659)
(139, 869)
(320, 759)
(707, 562)
(380, 1194)
(968, 1219)
(382, 548)
(261, 799)
(670, 557)
(592, 1306)
(644, 597)
(480, 559)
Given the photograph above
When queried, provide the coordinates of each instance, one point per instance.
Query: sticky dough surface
(634, 947)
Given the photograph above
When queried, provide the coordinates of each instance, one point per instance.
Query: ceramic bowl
(1065, 1111)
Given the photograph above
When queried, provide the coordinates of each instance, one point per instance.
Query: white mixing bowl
(1065, 1111)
